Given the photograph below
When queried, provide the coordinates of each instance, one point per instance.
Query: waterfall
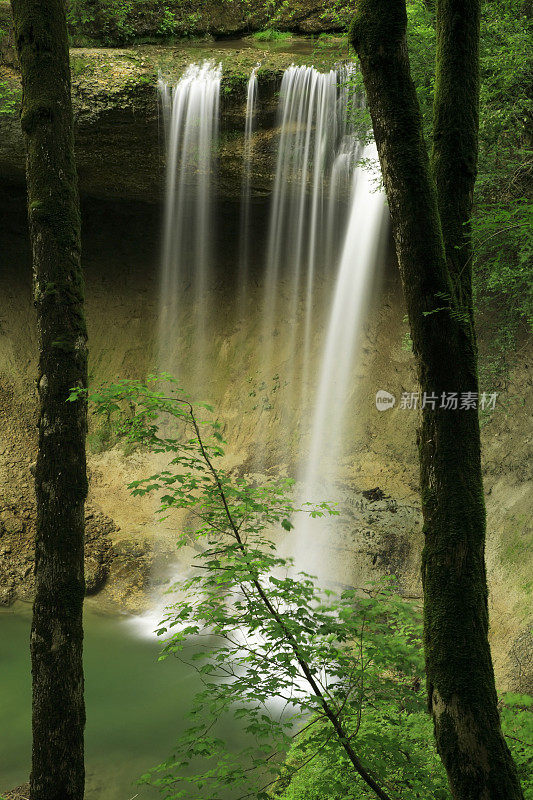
(190, 109)
(315, 160)
(347, 151)
(324, 230)
(244, 241)
(320, 163)
(190, 113)
(308, 128)
(336, 375)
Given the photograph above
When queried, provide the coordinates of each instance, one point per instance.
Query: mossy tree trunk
(455, 134)
(60, 476)
(429, 207)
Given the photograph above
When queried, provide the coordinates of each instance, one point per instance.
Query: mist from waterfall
(191, 121)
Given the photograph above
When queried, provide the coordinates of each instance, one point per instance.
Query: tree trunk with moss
(430, 207)
(60, 476)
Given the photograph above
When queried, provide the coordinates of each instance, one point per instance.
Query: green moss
(515, 542)
(272, 35)
(81, 66)
(234, 85)
(378, 26)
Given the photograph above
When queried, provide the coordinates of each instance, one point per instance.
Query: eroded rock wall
(377, 532)
(119, 135)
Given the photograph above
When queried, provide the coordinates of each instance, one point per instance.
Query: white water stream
(336, 375)
(191, 118)
(309, 125)
(326, 217)
(246, 192)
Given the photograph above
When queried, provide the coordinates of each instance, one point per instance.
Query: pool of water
(136, 705)
(299, 45)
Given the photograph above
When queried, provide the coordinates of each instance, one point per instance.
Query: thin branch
(329, 712)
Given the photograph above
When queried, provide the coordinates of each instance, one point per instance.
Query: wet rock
(118, 129)
(373, 495)
(96, 573)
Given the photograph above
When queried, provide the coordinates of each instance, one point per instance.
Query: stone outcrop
(119, 134)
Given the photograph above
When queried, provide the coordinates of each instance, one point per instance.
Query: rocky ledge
(119, 140)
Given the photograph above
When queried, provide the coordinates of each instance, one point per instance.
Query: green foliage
(9, 99)
(502, 223)
(81, 13)
(517, 723)
(168, 24)
(506, 274)
(502, 220)
(505, 102)
(409, 760)
(115, 21)
(312, 676)
(325, 777)
(422, 41)
(254, 628)
(272, 35)
(111, 19)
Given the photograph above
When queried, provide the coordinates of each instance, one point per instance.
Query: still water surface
(135, 705)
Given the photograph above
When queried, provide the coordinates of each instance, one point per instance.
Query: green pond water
(135, 705)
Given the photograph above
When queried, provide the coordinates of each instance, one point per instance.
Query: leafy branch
(258, 632)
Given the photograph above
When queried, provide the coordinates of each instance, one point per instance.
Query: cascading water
(308, 123)
(347, 151)
(244, 243)
(191, 121)
(191, 117)
(347, 312)
(314, 162)
(325, 220)
(319, 466)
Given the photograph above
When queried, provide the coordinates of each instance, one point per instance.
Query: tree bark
(60, 477)
(460, 680)
(455, 133)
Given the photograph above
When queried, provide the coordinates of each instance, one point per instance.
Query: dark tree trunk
(455, 134)
(60, 477)
(460, 679)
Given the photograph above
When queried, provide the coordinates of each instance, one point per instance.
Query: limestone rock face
(119, 137)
